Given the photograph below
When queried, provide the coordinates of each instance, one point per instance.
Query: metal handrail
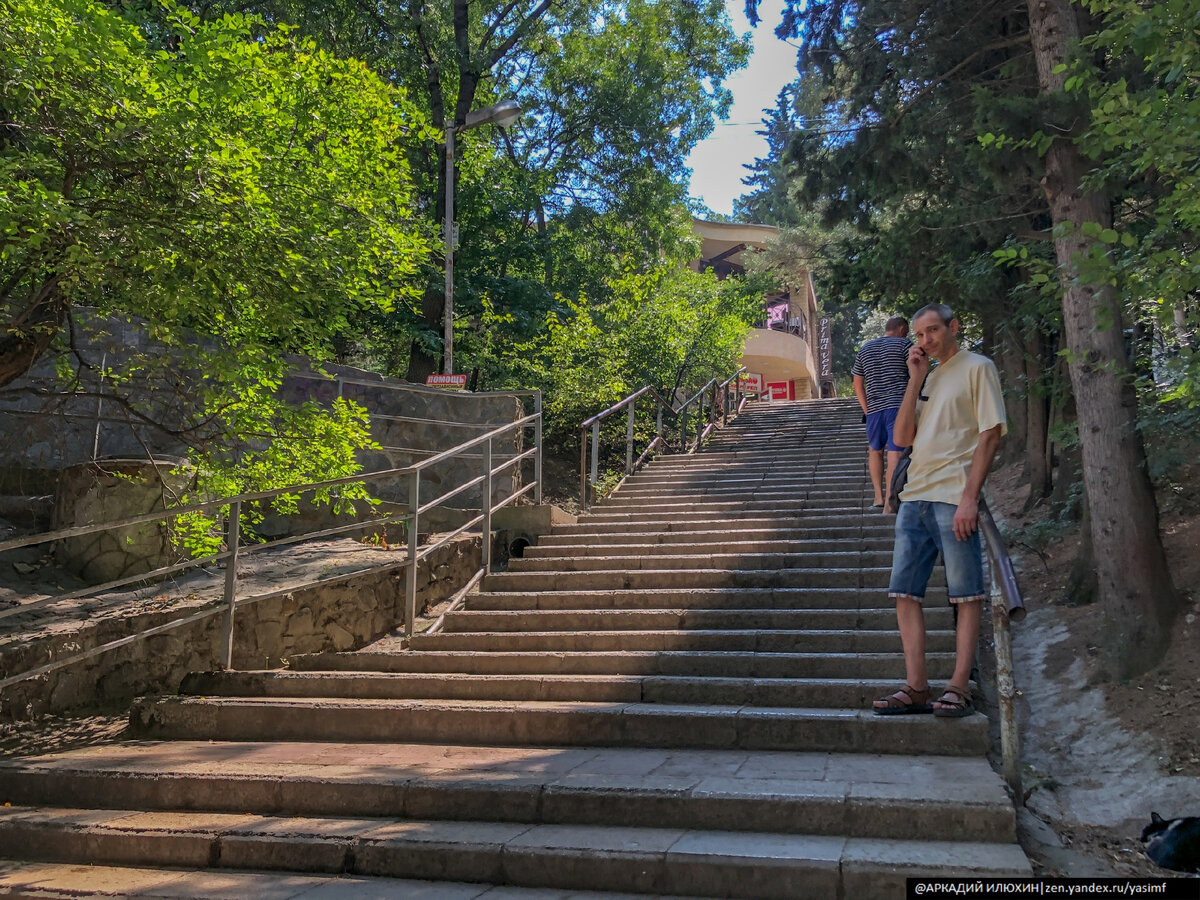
(664, 406)
(234, 503)
(1010, 608)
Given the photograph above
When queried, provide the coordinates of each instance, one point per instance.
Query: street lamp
(503, 114)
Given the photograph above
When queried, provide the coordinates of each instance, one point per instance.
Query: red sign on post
(752, 383)
(449, 382)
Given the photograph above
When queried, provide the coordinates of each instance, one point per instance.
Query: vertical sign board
(826, 349)
(825, 358)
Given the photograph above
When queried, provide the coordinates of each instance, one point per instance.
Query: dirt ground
(1099, 755)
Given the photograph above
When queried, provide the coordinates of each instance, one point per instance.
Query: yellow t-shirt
(961, 399)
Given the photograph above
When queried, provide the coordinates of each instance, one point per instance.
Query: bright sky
(717, 161)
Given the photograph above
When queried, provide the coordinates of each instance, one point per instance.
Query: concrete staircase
(670, 697)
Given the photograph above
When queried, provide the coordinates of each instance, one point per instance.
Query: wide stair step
(563, 723)
(651, 662)
(849, 693)
(609, 858)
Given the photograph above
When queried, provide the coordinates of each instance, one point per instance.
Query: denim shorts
(880, 427)
(923, 529)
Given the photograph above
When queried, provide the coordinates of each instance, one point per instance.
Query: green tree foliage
(1145, 109)
(590, 180)
(671, 328)
(247, 196)
(947, 142)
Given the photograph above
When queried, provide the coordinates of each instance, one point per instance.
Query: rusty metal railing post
(595, 456)
(1006, 691)
(485, 550)
(583, 491)
(233, 528)
(537, 443)
(410, 574)
(629, 440)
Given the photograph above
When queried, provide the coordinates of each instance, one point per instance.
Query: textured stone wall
(109, 491)
(42, 432)
(341, 616)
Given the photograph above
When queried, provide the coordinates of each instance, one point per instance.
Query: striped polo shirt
(883, 363)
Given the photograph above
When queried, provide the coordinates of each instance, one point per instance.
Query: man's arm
(966, 517)
(904, 432)
(860, 389)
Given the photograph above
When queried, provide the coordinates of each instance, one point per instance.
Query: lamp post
(503, 114)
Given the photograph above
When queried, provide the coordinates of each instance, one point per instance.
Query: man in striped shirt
(880, 378)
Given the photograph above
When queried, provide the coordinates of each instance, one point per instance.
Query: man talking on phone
(953, 416)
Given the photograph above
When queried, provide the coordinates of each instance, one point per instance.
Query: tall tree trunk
(1037, 446)
(1133, 584)
(31, 329)
(1011, 363)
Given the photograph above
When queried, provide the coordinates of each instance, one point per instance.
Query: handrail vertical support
(725, 405)
(233, 528)
(410, 573)
(537, 442)
(1006, 692)
(595, 456)
(629, 440)
(683, 430)
(485, 550)
(583, 487)
(658, 425)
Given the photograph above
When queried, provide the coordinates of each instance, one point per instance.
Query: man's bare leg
(893, 457)
(875, 464)
(911, 619)
(966, 640)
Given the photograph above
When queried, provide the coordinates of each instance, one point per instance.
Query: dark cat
(1173, 843)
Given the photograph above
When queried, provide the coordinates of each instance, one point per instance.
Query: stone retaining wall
(38, 440)
(340, 616)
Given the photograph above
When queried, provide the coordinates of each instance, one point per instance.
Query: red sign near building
(752, 383)
(450, 382)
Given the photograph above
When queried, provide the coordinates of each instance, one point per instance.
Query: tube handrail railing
(234, 503)
(680, 414)
(1010, 608)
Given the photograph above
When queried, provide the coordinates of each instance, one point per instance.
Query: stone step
(798, 462)
(813, 599)
(681, 559)
(749, 641)
(946, 797)
(714, 475)
(472, 620)
(572, 857)
(738, 488)
(785, 506)
(815, 521)
(752, 479)
(845, 693)
(560, 723)
(790, 540)
(58, 881)
(682, 663)
(875, 578)
(839, 527)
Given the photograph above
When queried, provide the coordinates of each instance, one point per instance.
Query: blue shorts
(880, 426)
(923, 529)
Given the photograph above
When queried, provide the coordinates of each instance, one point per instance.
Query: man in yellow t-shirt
(954, 422)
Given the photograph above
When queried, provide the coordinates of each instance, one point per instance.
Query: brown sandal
(906, 701)
(955, 703)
